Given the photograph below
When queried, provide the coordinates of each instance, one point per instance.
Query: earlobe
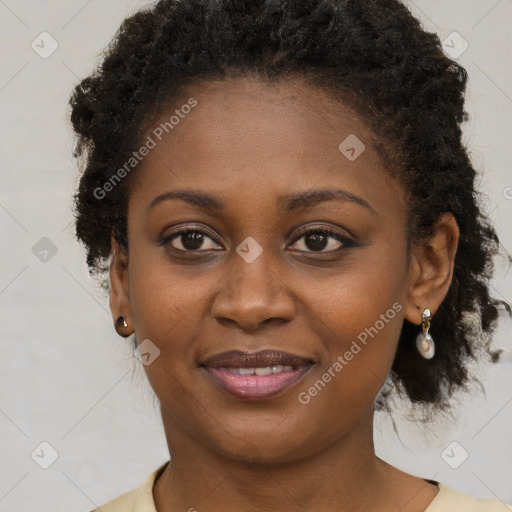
(431, 269)
(119, 294)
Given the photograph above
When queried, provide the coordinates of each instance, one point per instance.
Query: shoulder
(137, 500)
(123, 503)
(448, 500)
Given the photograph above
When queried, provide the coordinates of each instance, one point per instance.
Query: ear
(431, 269)
(119, 294)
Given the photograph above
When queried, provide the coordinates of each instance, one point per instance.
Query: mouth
(256, 376)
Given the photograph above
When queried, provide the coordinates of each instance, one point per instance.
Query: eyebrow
(286, 202)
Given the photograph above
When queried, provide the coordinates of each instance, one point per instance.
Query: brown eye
(318, 239)
(190, 240)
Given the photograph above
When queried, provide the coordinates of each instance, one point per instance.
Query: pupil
(193, 240)
(318, 241)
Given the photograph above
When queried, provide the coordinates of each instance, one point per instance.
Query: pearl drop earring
(424, 342)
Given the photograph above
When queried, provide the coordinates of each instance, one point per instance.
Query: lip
(239, 359)
(220, 368)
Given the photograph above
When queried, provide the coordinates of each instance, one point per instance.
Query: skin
(248, 142)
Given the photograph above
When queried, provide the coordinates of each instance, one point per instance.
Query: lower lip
(256, 387)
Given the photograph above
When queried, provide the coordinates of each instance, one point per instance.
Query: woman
(280, 198)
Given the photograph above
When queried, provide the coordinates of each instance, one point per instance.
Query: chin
(251, 448)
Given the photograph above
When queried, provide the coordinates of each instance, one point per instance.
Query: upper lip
(261, 359)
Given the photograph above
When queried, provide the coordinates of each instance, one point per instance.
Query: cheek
(359, 316)
(370, 292)
(360, 338)
(164, 300)
(358, 312)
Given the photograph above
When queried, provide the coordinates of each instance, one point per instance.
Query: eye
(317, 239)
(193, 239)
(190, 240)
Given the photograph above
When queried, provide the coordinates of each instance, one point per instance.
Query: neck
(345, 474)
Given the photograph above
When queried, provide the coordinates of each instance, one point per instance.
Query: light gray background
(69, 380)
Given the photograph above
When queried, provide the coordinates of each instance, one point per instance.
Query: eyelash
(344, 240)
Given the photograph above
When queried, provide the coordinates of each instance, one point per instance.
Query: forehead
(246, 109)
(245, 133)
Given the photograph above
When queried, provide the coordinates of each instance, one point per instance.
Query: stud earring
(121, 324)
(424, 342)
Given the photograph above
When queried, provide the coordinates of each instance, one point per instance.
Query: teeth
(267, 370)
(263, 371)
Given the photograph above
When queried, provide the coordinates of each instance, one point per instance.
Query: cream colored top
(446, 500)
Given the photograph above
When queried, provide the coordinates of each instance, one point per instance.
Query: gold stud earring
(121, 324)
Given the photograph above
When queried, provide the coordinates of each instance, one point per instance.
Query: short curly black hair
(372, 55)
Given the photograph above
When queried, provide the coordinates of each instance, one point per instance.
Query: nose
(253, 294)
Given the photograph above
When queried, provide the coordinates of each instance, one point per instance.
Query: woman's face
(256, 273)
